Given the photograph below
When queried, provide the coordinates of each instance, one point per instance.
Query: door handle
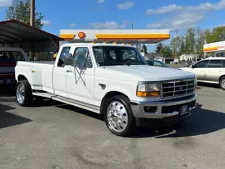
(68, 71)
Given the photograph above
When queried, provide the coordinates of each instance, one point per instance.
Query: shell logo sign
(216, 46)
(221, 47)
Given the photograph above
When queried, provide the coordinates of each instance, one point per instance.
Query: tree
(159, 47)
(182, 48)
(20, 10)
(190, 41)
(175, 45)
(217, 34)
(200, 39)
(166, 51)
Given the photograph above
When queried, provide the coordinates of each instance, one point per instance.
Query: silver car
(210, 70)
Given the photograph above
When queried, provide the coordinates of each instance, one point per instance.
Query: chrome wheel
(20, 93)
(223, 84)
(117, 116)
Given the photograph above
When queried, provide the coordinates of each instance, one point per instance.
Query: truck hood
(147, 73)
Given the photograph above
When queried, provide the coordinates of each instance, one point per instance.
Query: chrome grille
(177, 88)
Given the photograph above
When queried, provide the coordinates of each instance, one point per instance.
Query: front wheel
(24, 95)
(222, 83)
(118, 116)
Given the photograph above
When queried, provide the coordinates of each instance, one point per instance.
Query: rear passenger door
(60, 72)
(214, 70)
(199, 69)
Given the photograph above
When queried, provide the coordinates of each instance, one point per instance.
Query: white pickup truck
(113, 80)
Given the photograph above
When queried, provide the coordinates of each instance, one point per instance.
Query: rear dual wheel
(24, 95)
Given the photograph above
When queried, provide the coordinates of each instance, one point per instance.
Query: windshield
(117, 55)
(156, 63)
(11, 56)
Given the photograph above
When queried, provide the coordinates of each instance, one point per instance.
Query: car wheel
(24, 95)
(222, 83)
(118, 116)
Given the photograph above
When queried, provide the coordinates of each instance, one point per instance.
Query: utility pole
(132, 25)
(32, 22)
(32, 12)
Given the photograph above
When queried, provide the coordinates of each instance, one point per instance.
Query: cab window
(82, 58)
(223, 63)
(201, 64)
(215, 64)
(157, 64)
(64, 51)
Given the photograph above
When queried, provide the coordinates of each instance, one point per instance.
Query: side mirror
(68, 59)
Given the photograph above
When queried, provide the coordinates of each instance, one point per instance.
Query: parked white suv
(209, 70)
(113, 80)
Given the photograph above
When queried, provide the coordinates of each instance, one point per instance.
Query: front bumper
(163, 109)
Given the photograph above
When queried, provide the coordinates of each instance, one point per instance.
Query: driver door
(79, 79)
(199, 69)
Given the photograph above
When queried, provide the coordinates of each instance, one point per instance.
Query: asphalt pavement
(58, 136)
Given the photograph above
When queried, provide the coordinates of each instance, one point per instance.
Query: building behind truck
(17, 40)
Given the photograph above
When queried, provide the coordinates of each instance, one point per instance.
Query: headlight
(148, 90)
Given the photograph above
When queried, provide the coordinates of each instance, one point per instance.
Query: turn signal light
(148, 94)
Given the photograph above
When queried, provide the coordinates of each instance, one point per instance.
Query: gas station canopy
(116, 36)
(214, 47)
(17, 34)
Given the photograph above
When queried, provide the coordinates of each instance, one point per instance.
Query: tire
(118, 115)
(222, 83)
(24, 95)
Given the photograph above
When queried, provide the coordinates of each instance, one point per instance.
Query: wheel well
(221, 77)
(108, 95)
(21, 77)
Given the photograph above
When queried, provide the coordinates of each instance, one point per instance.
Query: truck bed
(39, 74)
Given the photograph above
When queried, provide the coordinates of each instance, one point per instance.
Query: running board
(43, 94)
(79, 104)
(65, 100)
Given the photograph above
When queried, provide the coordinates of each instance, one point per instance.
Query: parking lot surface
(57, 136)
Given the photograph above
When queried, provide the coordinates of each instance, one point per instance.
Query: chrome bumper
(162, 109)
